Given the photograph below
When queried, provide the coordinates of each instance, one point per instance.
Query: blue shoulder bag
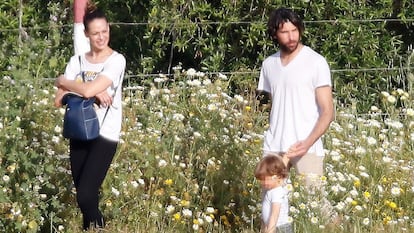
(80, 121)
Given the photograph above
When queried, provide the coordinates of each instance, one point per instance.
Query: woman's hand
(58, 97)
(104, 99)
(59, 81)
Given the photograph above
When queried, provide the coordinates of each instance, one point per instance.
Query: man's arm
(324, 101)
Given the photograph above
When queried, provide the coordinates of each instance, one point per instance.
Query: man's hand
(300, 148)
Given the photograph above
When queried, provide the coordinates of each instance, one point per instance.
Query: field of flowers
(186, 159)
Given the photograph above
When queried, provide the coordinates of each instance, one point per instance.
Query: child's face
(270, 182)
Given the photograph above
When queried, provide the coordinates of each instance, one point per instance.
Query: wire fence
(329, 21)
(137, 77)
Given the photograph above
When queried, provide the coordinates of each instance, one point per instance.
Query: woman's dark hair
(280, 16)
(271, 165)
(92, 12)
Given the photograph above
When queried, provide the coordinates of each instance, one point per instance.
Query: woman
(97, 73)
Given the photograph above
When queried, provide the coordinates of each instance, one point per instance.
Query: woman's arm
(87, 89)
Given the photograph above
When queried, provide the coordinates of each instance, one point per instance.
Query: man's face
(288, 37)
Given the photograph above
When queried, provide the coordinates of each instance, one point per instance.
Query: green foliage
(351, 41)
(214, 36)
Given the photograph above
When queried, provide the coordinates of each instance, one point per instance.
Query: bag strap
(80, 69)
(113, 96)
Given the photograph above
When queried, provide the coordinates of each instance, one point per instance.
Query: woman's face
(98, 33)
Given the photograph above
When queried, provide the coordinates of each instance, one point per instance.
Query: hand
(300, 148)
(104, 99)
(59, 81)
(286, 160)
(58, 97)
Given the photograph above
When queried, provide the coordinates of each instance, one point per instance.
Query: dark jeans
(90, 161)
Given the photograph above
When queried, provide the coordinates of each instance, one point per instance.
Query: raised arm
(79, 7)
(80, 41)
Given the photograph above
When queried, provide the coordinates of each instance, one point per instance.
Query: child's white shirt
(276, 195)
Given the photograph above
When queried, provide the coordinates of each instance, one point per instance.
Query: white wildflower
(134, 184)
(170, 209)
(6, 178)
(395, 191)
(222, 76)
(195, 227)
(385, 94)
(210, 210)
(371, 141)
(374, 109)
(410, 112)
(208, 219)
(187, 213)
(391, 99)
(178, 117)
(162, 163)
(115, 191)
(191, 72)
(141, 181)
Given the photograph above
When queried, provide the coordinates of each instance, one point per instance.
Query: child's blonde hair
(271, 165)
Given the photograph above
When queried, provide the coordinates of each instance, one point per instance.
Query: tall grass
(186, 158)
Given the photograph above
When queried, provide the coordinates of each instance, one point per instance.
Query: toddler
(271, 171)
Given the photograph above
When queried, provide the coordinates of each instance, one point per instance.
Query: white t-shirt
(113, 68)
(276, 195)
(294, 110)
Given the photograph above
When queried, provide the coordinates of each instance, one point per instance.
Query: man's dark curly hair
(280, 16)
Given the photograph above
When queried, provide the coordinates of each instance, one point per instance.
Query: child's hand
(286, 159)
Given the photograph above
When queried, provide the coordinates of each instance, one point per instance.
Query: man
(297, 80)
(80, 41)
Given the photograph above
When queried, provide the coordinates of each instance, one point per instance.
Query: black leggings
(90, 161)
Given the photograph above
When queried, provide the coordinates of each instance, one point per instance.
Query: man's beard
(288, 49)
